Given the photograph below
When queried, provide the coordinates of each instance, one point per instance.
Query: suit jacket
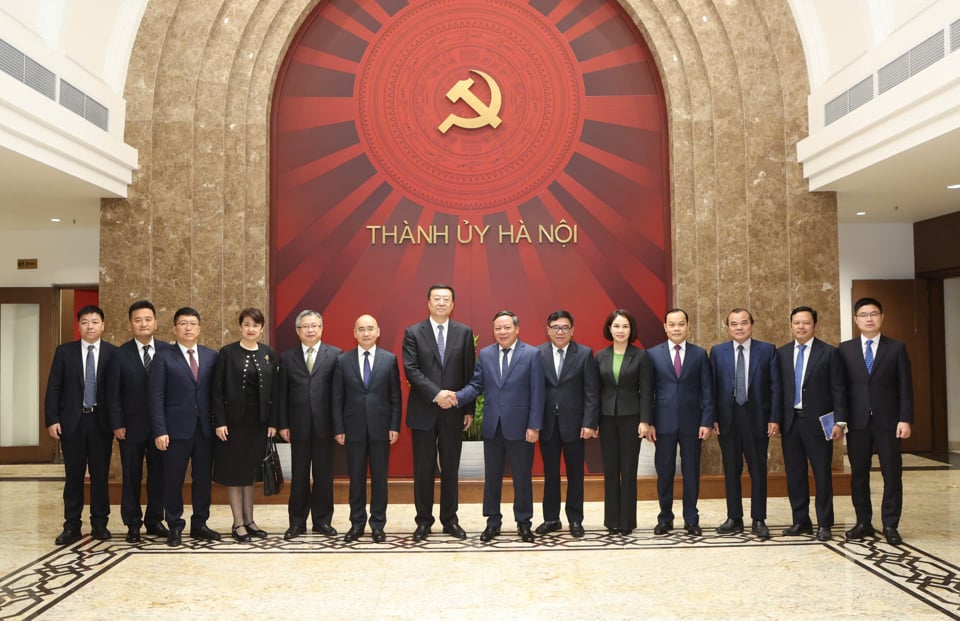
(64, 398)
(887, 391)
(824, 386)
(371, 411)
(228, 398)
(176, 399)
(632, 395)
(764, 395)
(427, 376)
(681, 405)
(305, 399)
(516, 401)
(129, 403)
(571, 401)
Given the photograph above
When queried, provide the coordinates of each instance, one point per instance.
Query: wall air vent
(894, 73)
(927, 53)
(11, 60)
(75, 100)
(859, 94)
(25, 69)
(955, 36)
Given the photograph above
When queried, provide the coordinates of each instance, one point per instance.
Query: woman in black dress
(243, 385)
(626, 401)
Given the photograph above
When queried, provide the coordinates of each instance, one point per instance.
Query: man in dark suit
(181, 380)
(438, 354)
(130, 419)
(510, 375)
(367, 406)
(571, 415)
(76, 412)
(747, 396)
(304, 417)
(880, 413)
(813, 385)
(682, 414)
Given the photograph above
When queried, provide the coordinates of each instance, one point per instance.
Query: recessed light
(955, 186)
(861, 213)
(54, 219)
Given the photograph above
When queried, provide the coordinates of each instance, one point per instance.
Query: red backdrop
(516, 150)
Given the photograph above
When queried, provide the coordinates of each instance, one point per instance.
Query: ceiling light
(861, 213)
(955, 186)
(54, 219)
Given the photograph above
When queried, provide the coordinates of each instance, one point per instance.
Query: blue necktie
(798, 375)
(503, 365)
(90, 380)
(441, 344)
(740, 390)
(868, 357)
(366, 368)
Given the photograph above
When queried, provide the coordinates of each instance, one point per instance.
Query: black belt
(798, 412)
(88, 410)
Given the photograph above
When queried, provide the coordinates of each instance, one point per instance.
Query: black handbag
(271, 470)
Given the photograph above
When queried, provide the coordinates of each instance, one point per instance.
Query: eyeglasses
(870, 315)
(560, 329)
(310, 326)
(188, 324)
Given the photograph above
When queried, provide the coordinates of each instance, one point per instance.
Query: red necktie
(676, 361)
(194, 367)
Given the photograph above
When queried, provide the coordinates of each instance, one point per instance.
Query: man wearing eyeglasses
(571, 415)
(880, 413)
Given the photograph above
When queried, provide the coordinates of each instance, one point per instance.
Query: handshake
(446, 399)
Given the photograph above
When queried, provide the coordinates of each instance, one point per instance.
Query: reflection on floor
(601, 576)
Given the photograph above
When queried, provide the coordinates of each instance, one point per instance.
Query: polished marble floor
(558, 578)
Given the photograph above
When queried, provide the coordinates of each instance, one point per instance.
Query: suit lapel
(431, 338)
(754, 363)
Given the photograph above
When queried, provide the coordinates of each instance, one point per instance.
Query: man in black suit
(305, 420)
(130, 419)
(76, 412)
(367, 406)
(813, 385)
(571, 414)
(880, 413)
(438, 354)
(180, 385)
(746, 382)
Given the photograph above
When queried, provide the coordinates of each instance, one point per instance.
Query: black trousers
(804, 442)
(620, 444)
(359, 454)
(665, 460)
(737, 442)
(88, 446)
(311, 457)
(573, 454)
(444, 441)
(132, 455)
(860, 445)
(496, 451)
(198, 451)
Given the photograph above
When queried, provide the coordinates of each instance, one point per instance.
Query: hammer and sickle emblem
(486, 114)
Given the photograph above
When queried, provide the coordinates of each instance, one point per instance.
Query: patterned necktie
(868, 357)
(194, 367)
(798, 376)
(559, 363)
(504, 365)
(366, 368)
(441, 344)
(90, 380)
(676, 361)
(146, 358)
(740, 391)
(310, 360)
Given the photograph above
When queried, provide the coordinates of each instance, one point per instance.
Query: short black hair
(669, 312)
(186, 311)
(738, 310)
(253, 314)
(867, 302)
(440, 285)
(507, 313)
(90, 309)
(560, 314)
(620, 313)
(140, 305)
(804, 309)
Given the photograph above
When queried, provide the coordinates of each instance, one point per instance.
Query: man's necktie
(676, 361)
(504, 365)
(366, 368)
(798, 376)
(194, 367)
(559, 362)
(868, 357)
(90, 380)
(310, 360)
(441, 344)
(146, 358)
(740, 390)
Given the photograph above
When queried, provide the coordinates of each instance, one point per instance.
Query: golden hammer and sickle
(486, 115)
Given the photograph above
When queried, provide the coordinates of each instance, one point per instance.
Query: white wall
(65, 257)
(871, 251)
(951, 306)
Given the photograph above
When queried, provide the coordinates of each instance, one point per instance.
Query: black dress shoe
(576, 529)
(693, 529)
(626, 531)
(860, 531)
(730, 527)
(663, 528)
(421, 533)
(823, 533)
(325, 529)
(489, 533)
(796, 530)
(378, 535)
(613, 531)
(549, 526)
(892, 535)
(68, 536)
(244, 538)
(204, 532)
(100, 533)
(157, 530)
(173, 537)
(294, 531)
(133, 534)
(256, 531)
(353, 534)
(454, 530)
(759, 528)
(526, 535)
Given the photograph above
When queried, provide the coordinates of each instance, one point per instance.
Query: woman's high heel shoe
(254, 530)
(244, 538)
